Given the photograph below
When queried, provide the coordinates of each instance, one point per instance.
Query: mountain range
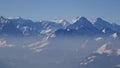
(82, 26)
(79, 26)
(22, 26)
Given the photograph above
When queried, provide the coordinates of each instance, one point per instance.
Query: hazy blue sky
(61, 9)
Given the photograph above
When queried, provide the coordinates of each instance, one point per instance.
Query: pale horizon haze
(37, 10)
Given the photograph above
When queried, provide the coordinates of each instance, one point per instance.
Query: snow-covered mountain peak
(81, 20)
(76, 19)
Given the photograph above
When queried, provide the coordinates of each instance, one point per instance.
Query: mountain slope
(106, 27)
(101, 61)
(20, 26)
(105, 56)
(81, 26)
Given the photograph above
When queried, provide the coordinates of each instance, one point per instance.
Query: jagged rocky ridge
(20, 26)
(80, 26)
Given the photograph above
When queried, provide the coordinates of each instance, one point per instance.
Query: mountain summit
(79, 19)
(80, 22)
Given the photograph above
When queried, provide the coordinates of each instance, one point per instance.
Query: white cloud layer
(103, 49)
(99, 39)
(118, 52)
(114, 35)
(38, 46)
(4, 43)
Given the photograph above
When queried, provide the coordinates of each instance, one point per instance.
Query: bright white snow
(104, 31)
(46, 31)
(76, 19)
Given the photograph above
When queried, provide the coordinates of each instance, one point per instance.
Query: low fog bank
(29, 52)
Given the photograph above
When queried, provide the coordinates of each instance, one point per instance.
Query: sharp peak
(100, 19)
(79, 18)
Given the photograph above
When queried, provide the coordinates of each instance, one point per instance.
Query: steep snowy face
(81, 22)
(76, 19)
(50, 26)
(28, 27)
(81, 26)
